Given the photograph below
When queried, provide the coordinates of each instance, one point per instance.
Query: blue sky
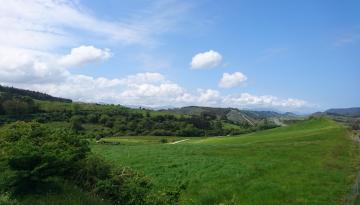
(298, 56)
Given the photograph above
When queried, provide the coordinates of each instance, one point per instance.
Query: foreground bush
(32, 155)
(120, 186)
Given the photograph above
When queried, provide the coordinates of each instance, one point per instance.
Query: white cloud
(25, 66)
(209, 59)
(230, 80)
(263, 101)
(84, 54)
(153, 90)
(209, 97)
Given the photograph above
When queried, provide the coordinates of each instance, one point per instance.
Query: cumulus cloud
(84, 54)
(26, 66)
(209, 59)
(262, 101)
(152, 90)
(230, 80)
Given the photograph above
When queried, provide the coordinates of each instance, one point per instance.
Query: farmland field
(311, 162)
(142, 140)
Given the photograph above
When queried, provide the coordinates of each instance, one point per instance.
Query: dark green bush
(124, 187)
(76, 123)
(31, 154)
(6, 199)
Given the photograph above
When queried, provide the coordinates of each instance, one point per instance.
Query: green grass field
(311, 162)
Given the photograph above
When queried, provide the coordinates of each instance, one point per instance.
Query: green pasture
(311, 162)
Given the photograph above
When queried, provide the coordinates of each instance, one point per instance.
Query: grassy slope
(311, 162)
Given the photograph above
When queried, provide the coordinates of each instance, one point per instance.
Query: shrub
(31, 154)
(121, 186)
(124, 187)
(91, 170)
(5, 199)
(76, 124)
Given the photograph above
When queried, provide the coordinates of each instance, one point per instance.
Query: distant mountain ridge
(350, 112)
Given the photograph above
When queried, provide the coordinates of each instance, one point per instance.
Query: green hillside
(311, 162)
(234, 115)
(92, 120)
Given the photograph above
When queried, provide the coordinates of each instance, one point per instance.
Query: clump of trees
(32, 155)
(13, 105)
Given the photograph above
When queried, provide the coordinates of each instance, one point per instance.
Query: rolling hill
(238, 116)
(349, 112)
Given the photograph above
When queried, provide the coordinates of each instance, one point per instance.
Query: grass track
(312, 162)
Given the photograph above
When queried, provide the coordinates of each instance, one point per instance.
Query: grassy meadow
(311, 162)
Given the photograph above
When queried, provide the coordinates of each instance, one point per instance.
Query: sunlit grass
(312, 162)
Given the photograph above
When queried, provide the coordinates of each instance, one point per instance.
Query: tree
(76, 124)
(15, 107)
(104, 118)
(93, 118)
(190, 131)
(75, 108)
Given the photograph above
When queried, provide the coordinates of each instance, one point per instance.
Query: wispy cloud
(270, 53)
(45, 24)
(346, 39)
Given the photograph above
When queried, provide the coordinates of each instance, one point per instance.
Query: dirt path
(351, 199)
(179, 141)
(356, 137)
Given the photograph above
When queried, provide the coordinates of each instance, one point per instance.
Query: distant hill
(348, 112)
(29, 93)
(235, 115)
(347, 116)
